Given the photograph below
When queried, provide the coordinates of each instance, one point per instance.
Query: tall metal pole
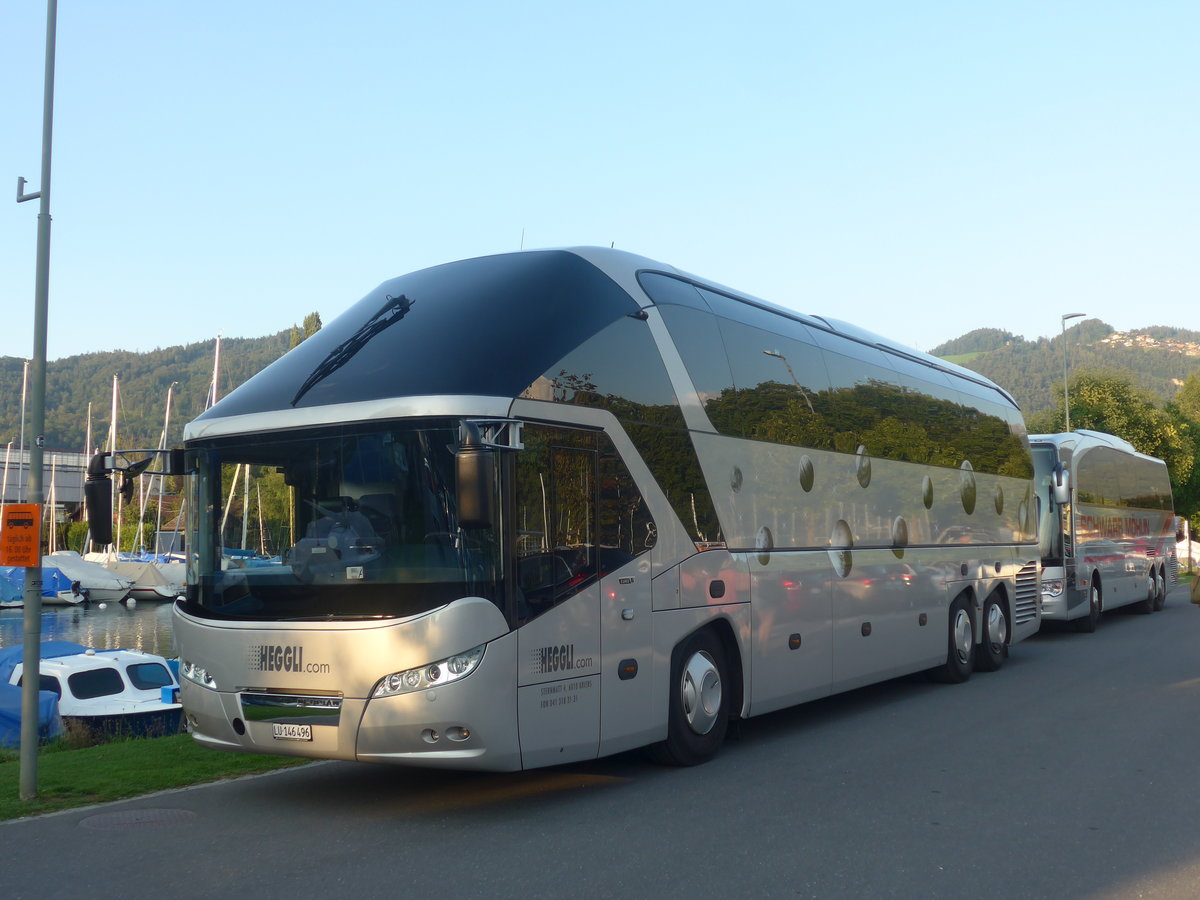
(1066, 394)
(33, 574)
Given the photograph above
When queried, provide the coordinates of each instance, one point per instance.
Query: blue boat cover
(12, 582)
(49, 720)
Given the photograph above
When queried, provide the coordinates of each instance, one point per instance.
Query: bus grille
(1025, 605)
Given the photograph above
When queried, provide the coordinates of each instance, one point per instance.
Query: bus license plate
(289, 731)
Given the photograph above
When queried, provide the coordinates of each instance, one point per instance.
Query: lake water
(147, 626)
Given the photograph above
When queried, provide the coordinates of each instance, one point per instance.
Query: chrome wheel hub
(962, 636)
(997, 626)
(700, 691)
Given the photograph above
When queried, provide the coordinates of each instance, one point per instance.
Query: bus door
(558, 596)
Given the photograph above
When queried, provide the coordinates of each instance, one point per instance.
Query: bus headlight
(1052, 587)
(198, 674)
(434, 674)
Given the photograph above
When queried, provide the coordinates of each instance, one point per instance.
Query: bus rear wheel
(698, 715)
(960, 650)
(1160, 593)
(1146, 606)
(993, 645)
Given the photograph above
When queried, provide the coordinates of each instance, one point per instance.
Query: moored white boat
(104, 692)
(101, 585)
(150, 581)
(57, 588)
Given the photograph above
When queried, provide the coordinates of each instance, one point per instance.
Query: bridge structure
(62, 478)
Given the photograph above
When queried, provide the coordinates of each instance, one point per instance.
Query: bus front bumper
(470, 724)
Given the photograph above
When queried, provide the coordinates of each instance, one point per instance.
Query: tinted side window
(50, 683)
(148, 676)
(45, 683)
(626, 529)
(555, 512)
(698, 339)
(95, 683)
(672, 460)
(779, 386)
(1099, 477)
(665, 289)
(618, 369)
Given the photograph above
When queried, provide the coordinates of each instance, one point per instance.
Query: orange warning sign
(20, 535)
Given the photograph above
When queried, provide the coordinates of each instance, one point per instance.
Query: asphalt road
(1071, 773)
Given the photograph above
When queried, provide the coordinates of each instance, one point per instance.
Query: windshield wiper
(392, 311)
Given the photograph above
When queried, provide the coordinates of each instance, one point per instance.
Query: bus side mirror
(475, 482)
(97, 497)
(1060, 485)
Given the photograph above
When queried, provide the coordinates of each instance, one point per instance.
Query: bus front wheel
(1095, 606)
(699, 705)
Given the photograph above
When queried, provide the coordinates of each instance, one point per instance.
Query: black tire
(960, 646)
(698, 713)
(1146, 606)
(993, 642)
(1087, 624)
(1160, 596)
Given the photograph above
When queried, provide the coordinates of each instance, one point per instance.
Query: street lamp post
(41, 290)
(1066, 394)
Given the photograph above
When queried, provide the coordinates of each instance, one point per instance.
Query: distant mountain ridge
(1155, 359)
(143, 379)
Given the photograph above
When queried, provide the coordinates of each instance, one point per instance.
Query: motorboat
(104, 693)
(57, 588)
(150, 580)
(101, 585)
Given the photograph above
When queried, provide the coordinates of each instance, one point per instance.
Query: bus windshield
(340, 522)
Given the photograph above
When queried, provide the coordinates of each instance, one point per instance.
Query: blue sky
(920, 169)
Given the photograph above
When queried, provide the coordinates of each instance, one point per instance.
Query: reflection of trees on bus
(890, 421)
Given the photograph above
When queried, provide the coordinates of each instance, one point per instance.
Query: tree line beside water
(75, 382)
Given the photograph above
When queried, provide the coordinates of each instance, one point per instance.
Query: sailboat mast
(112, 448)
(4, 489)
(162, 445)
(53, 500)
(262, 534)
(213, 392)
(246, 507)
(87, 456)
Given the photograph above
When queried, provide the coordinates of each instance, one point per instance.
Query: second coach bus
(1107, 527)
(544, 506)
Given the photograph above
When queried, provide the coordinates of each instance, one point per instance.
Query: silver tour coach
(545, 506)
(1107, 527)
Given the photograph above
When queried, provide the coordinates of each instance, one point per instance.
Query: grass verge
(68, 778)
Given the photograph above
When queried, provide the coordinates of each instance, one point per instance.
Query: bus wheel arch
(995, 632)
(960, 645)
(705, 691)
